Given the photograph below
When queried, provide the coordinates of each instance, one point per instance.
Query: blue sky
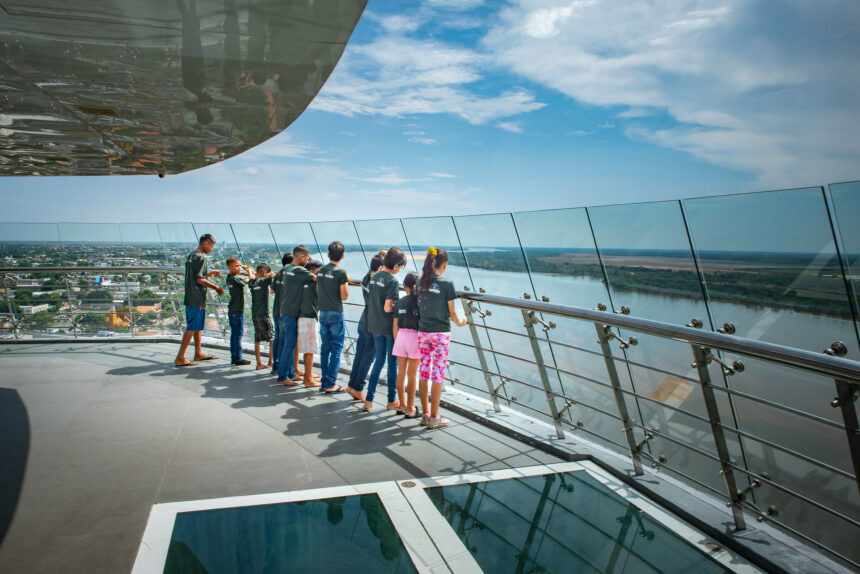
(462, 106)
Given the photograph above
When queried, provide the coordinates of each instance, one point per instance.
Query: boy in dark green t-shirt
(293, 279)
(263, 330)
(236, 309)
(333, 288)
(307, 325)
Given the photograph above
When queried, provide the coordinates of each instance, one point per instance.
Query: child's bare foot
(288, 383)
(300, 373)
(261, 366)
(312, 383)
(183, 363)
(204, 357)
(367, 406)
(395, 406)
(356, 395)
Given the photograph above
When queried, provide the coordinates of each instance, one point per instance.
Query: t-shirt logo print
(434, 288)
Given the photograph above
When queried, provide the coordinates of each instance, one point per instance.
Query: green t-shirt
(329, 279)
(309, 300)
(365, 289)
(260, 295)
(196, 265)
(277, 283)
(383, 286)
(293, 284)
(404, 319)
(236, 286)
(433, 306)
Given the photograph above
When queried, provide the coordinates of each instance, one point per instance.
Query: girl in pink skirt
(436, 296)
(406, 346)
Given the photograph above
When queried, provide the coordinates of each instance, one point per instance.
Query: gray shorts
(263, 329)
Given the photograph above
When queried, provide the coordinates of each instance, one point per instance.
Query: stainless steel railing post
(603, 340)
(700, 354)
(13, 320)
(530, 320)
(128, 297)
(482, 359)
(846, 397)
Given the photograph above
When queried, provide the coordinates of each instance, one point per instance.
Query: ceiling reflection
(157, 87)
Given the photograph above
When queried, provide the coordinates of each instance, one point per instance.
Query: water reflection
(561, 523)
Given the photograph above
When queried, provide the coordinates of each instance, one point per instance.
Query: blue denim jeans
(237, 329)
(332, 329)
(277, 344)
(364, 353)
(383, 345)
(289, 334)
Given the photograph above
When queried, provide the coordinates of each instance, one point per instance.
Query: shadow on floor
(14, 451)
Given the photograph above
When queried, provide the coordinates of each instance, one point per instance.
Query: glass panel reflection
(346, 534)
(649, 264)
(564, 267)
(771, 270)
(561, 523)
(846, 207)
(141, 243)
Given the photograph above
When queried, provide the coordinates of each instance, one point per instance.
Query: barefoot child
(236, 308)
(364, 350)
(294, 276)
(263, 330)
(196, 284)
(333, 290)
(275, 289)
(307, 325)
(406, 346)
(384, 291)
(436, 297)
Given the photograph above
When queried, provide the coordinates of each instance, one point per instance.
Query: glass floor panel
(344, 534)
(565, 522)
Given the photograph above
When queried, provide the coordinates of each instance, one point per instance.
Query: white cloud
(454, 4)
(580, 133)
(397, 76)
(350, 134)
(442, 175)
(606, 126)
(513, 127)
(750, 87)
(423, 140)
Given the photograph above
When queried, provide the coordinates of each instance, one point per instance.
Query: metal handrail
(112, 269)
(820, 363)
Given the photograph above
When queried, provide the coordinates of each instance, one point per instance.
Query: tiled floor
(91, 435)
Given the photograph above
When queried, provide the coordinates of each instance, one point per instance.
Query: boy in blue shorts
(196, 284)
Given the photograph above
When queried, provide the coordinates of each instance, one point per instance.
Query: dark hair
(207, 237)
(313, 264)
(335, 250)
(411, 281)
(263, 268)
(287, 259)
(375, 263)
(435, 258)
(394, 257)
(300, 250)
(232, 259)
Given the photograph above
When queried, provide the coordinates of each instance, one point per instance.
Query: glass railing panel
(177, 240)
(257, 244)
(421, 234)
(289, 235)
(649, 265)
(496, 264)
(355, 261)
(771, 270)
(141, 243)
(378, 234)
(93, 244)
(28, 244)
(225, 242)
(846, 209)
(565, 269)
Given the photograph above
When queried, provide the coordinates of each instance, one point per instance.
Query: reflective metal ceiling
(157, 86)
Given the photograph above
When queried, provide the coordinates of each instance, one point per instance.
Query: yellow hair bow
(432, 251)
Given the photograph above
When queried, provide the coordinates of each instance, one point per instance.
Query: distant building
(121, 285)
(33, 309)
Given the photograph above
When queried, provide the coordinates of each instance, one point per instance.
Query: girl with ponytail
(436, 311)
